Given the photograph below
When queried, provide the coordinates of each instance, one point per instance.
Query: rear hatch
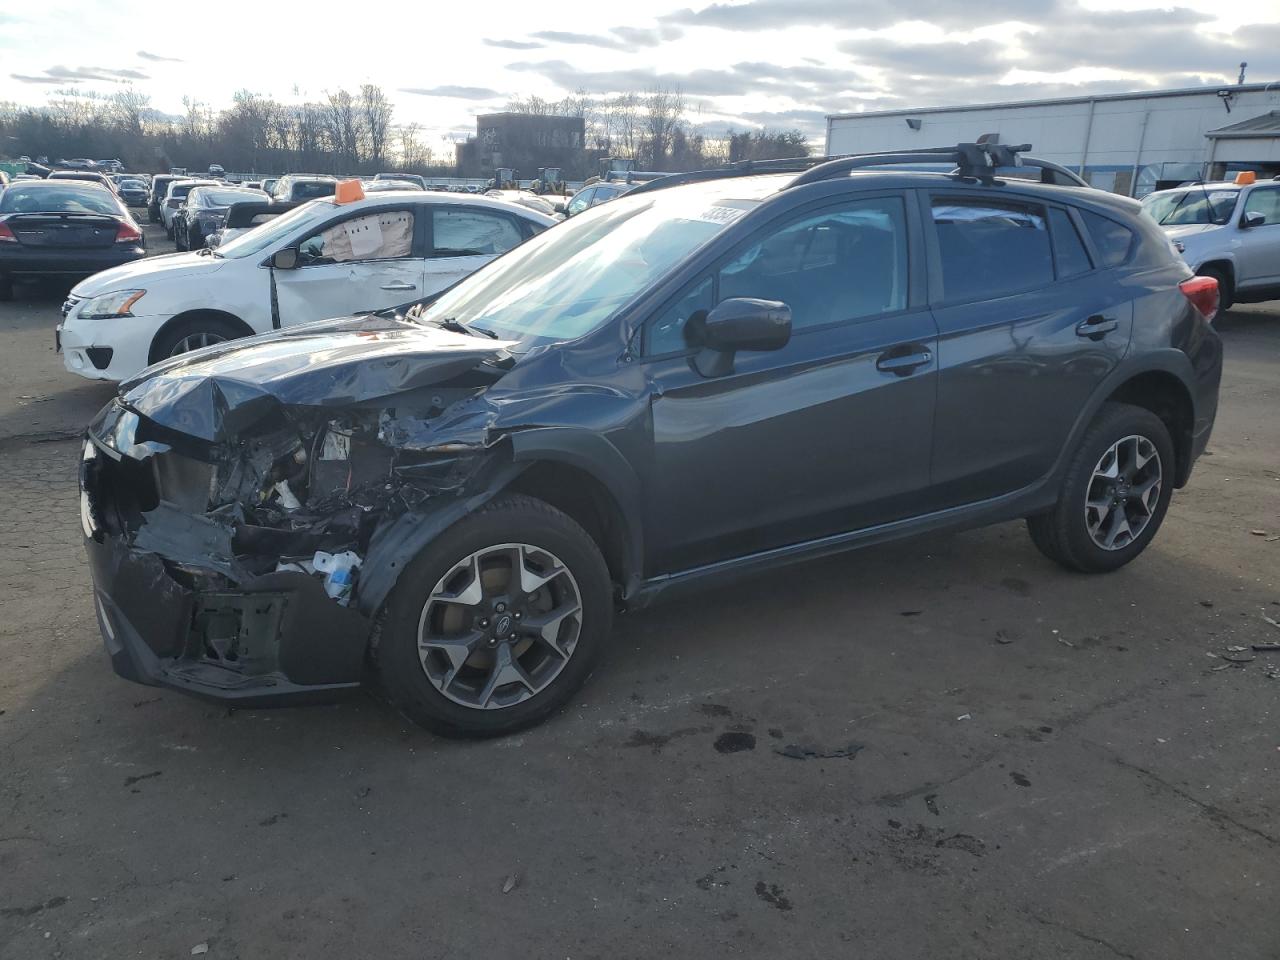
(64, 230)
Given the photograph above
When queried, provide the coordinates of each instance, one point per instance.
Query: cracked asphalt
(941, 748)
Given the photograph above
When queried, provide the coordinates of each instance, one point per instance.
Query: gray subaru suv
(716, 374)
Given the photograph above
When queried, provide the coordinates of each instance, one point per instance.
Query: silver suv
(1230, 231)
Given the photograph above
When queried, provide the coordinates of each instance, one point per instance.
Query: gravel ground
(946, 747)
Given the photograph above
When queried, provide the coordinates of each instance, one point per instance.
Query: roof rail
(980, 161)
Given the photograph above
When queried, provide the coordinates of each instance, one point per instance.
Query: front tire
(497, 623)
(192, 334)
(1115, 493)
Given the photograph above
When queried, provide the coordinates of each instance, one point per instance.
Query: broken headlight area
(305, 491)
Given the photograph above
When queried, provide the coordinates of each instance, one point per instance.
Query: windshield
(574, 278)
(64, 198)
(1198, 205)
(261, 237)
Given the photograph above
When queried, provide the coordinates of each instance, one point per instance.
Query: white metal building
(1130, 143)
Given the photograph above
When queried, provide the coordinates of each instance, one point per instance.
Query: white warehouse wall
(1118, 132)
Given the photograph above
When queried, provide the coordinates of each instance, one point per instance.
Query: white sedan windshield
(575, 277)
(261, 237)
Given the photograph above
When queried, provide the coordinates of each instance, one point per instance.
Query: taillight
(1203, 293)
(128, 233)
(6, 235)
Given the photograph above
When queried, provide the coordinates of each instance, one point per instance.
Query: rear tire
(194, 240)
(1094, 507)
(1226, 295)
(192, 332)
(441, 686)
(6, 287)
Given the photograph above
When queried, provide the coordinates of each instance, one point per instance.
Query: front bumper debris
(243, 533)
(276, 640)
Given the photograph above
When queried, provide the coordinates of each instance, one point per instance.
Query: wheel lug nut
(518, 615)
(484, 623)
(501, 607)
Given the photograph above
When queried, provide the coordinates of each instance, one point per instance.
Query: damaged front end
(248, 509)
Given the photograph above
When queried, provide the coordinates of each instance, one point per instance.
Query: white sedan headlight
(118, 304)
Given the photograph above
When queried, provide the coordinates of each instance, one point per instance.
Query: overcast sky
(782, 63)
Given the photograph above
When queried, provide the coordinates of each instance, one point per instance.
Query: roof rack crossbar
(981, 161)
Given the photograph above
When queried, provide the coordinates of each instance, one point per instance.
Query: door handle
(399, 285)
(1096, 327)
(903, 363)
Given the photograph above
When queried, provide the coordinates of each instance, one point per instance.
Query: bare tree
(375, 115)
(663, 115)
(343, 127)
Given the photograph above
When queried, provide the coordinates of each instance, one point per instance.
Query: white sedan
(322, 259)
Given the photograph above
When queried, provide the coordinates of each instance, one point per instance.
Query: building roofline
(1057, 101)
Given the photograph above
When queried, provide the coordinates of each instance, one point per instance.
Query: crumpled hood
(213, 393)
(140, 273)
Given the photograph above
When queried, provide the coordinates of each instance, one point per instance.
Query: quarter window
(1266, 201)
(1112, 240)
(991, 250)
(1068, 249)
(470, 233)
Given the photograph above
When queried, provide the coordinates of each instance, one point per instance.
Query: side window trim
(914, 248)
(1054, 240)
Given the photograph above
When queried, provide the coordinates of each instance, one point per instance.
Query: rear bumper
(278, 641)
(66, 263)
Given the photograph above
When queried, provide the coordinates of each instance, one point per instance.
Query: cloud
(585, 39)
(26, 78)
(452, 90)
(945, 59)
(156, 58)
(864, 15)
(515, 44)
(95, 73)
(623, 38)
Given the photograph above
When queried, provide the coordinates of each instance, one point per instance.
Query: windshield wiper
(451, 323)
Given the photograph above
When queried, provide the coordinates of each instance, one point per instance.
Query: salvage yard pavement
(945, 747)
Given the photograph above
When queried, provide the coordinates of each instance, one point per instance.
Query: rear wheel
(1115, 493)
(497, 623)
(1226, 295)
(192, 334)
(6, 287)
(194, 240)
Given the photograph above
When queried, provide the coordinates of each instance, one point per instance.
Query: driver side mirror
(286, 259)
(562, 208)
(739, 323)
(1253, 219)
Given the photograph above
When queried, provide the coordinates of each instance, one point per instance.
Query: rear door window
(991, 249)
(1114, 241)
(1069, 252)
(465, 232)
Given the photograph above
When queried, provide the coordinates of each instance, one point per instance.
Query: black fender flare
(1170, 361)
(594, 455)
(395, 546)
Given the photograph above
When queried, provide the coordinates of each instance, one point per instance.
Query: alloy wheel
(1123, 492)
(195, 341)
(500, 626)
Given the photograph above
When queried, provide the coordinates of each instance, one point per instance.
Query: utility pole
(1242, 69)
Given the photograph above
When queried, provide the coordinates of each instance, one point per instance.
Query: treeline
(349, 132)
(345, 132)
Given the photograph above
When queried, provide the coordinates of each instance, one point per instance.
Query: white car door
(463, 239)
(1258, 255)
(368, 260)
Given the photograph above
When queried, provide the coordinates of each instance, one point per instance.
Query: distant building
(1130, 143)
(523, 142)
